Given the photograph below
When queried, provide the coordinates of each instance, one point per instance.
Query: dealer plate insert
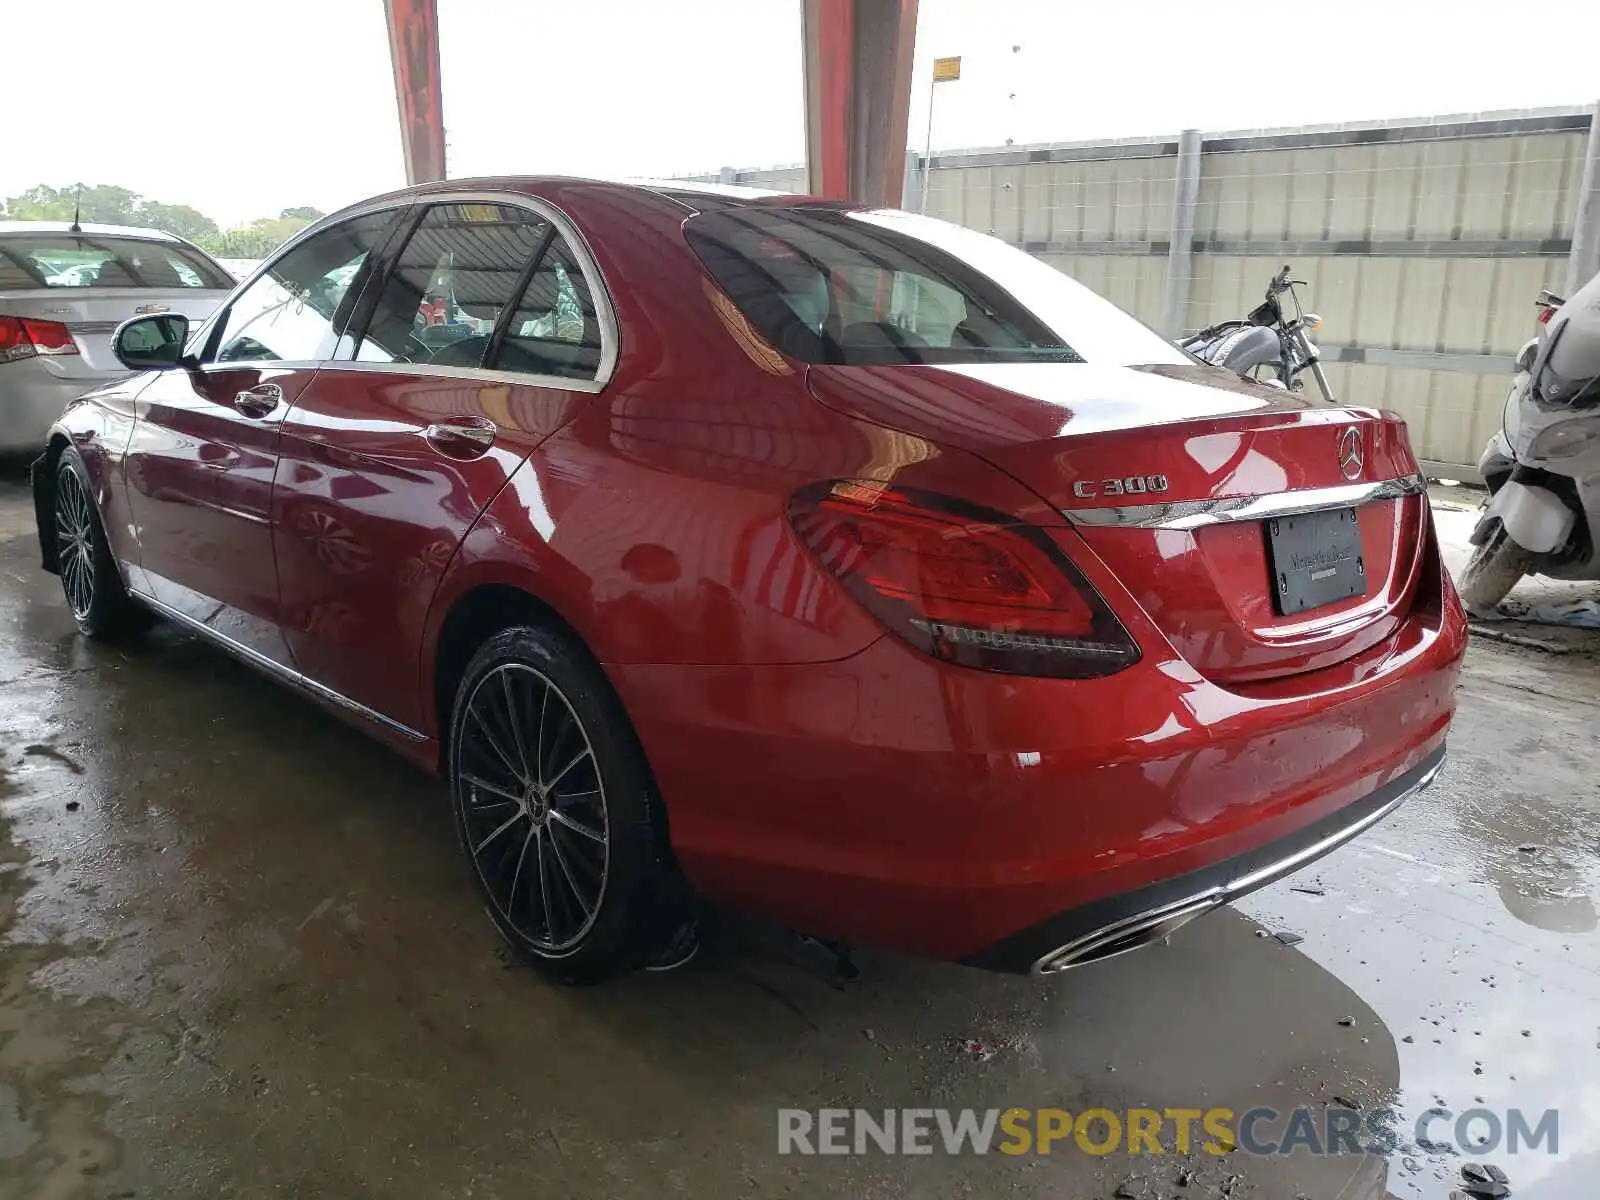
(1316, 559)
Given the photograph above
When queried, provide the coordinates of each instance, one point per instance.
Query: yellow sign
(946, 69)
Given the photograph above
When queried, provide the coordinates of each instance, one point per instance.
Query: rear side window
(460, 270)
(554, 329)
(824, 288)
(83, 260)
(486, 285)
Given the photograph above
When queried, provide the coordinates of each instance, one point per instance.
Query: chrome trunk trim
(1192, 514)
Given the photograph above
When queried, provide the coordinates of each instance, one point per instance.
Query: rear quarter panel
(655, 523)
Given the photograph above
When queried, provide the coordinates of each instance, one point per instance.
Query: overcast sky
(244, 107)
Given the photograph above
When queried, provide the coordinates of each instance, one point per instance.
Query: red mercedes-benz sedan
(843, 566)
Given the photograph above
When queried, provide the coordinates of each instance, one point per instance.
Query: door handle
(461, 437)
(259, 400)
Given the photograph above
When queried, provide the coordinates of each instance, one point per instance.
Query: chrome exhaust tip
(1129, 934)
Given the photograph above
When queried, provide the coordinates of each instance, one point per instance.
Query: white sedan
(63, 290)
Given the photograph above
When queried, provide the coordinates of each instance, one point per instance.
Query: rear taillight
(49, 337)
(13, 342)
(24, 337)
(961, 583)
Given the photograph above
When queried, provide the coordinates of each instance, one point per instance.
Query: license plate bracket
(1316, 559)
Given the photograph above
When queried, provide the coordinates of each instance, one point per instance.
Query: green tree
(120, 206)
(100, 202)
(35, 204)
(245, 242)
(180, 219)
(261, 237)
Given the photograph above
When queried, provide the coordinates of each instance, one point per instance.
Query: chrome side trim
(241, 514)
(262, 364)
(1163, 919)
(1192, 514)
(277, 669)
(480, 374)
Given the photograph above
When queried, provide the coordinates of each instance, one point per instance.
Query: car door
(204, 449)
(393, 452)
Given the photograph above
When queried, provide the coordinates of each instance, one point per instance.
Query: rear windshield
(86, 260)
(879, 287)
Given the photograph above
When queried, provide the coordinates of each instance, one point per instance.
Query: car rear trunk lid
(1174, 477)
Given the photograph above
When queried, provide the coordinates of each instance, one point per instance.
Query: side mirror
(152, 343)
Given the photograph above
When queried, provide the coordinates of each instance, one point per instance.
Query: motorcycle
(1268, 345)
(1543, 468)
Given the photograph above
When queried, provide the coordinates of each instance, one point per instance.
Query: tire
(557, 810)
(90, 581)
(1494, 569)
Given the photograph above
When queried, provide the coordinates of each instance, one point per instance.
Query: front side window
(456, 276)
(85, 260)
(293, 310)
(867, 288)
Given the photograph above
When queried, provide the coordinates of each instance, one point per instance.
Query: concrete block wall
(1422, 242)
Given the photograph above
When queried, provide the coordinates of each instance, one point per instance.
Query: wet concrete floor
(240, 956)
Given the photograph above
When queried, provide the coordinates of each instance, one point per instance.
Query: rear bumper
(891, 801)
(1116, 924)
(32, 396)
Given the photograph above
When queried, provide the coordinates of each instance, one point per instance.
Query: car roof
(696, 188)
(88, 227)
(685, 193)
(687, 197)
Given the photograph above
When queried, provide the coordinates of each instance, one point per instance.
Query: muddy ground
(240, 956)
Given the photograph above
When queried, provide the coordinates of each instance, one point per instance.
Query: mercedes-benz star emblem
(1351, 457)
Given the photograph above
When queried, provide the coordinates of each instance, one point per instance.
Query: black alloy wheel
(533, 807)
(90, 578)
(75, 548)
(558, 811)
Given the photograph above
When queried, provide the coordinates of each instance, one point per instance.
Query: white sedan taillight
(25, 337)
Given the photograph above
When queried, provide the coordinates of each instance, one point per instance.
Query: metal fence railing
(1423, 241)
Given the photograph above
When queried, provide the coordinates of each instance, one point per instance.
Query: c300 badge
(1128, 485)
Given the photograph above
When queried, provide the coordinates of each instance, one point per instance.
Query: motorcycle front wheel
(1494, 569)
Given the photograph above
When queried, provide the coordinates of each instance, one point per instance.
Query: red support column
(858, 97)
(414, 53)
